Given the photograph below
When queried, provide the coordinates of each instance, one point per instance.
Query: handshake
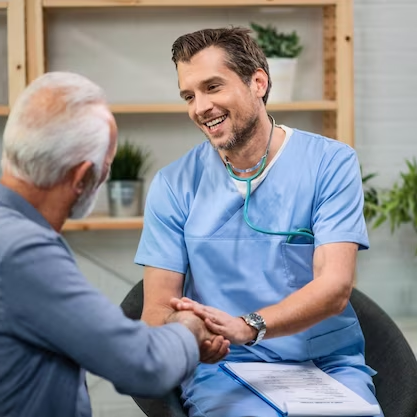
(215, 330)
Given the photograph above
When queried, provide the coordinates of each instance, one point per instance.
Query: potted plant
(399, 204)
(125, 184)
(371, 198)
(282, 51)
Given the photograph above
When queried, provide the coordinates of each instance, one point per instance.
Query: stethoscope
(260, 166)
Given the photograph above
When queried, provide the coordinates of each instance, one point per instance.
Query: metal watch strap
(256, 321)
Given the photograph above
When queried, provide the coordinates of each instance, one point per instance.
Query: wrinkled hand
(213, 348)
(217, 321)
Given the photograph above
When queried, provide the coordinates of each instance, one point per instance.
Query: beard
(240, 136)
(85, 204)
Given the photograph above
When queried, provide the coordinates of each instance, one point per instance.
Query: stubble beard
(239, 136)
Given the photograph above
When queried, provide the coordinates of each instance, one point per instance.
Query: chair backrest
(388, 352)
(169, 405)
(132, 305)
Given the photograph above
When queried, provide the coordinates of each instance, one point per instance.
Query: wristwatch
(255, 320)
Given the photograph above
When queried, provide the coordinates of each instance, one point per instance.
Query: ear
(260, 82)
(81, 176)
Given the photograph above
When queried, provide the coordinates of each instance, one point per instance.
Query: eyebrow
(203, 83)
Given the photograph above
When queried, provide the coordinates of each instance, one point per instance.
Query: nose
(203, 104)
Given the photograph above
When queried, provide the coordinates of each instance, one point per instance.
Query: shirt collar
(14, 201)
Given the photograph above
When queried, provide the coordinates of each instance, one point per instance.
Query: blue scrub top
(194, 225)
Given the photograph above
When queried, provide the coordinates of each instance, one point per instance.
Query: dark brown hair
(243, 55)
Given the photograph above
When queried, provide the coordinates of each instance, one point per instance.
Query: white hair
(53, 127)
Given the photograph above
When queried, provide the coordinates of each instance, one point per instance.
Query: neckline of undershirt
(241, 185)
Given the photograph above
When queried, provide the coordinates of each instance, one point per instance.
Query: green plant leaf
(368, 177)
(380, 219)
(399, 204)
(277, 44)
(130, 163)
(371, 198)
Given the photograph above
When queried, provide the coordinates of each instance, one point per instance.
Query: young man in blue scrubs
(58, 145)
(276, 298)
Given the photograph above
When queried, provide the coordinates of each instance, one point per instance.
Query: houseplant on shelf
(126, 181)
(399, 204)
(282, 51)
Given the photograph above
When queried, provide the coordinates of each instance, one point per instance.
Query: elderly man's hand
(218, 322)
(213, 348)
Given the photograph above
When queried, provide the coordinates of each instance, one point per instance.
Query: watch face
(256, 320)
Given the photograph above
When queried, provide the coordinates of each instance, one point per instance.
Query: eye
(212, 87)
(188, 98)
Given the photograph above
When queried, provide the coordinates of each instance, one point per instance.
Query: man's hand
(218, 322)
(213, 347)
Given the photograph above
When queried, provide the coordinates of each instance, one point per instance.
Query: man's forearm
(304, 308)
(156, 315)
(326, 295)
(159, 287)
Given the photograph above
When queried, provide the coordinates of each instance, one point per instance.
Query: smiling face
(224, 107)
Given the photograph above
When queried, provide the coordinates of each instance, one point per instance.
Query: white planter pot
(282, 72)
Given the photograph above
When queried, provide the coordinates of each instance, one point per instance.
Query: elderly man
(59, 142)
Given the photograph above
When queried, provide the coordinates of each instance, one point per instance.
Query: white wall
(386, 126)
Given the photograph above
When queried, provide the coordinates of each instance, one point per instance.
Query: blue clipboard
(241, 381)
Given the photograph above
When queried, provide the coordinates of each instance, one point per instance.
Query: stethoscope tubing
(304, 232)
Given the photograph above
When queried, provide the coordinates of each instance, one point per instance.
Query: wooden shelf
(104, 223)
(148, 108)
(184, 3)
(319, 105)
(4, 110)
(4, 4)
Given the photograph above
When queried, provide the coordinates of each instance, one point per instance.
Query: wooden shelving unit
(104, 223)
(16, 50)
(183, 3)
(336, 105)
(319, 105)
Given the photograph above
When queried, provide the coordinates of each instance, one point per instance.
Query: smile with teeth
(214, 123)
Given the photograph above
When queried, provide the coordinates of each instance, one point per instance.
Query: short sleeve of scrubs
(162, 242)
(338, 207)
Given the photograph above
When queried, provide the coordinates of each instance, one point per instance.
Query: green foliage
(277, 44)
(130, 163)
(371, 199)
(399, 204)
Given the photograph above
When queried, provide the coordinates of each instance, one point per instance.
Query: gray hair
(53, 127)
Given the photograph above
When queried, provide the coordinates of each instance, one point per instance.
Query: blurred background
(354, 79)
